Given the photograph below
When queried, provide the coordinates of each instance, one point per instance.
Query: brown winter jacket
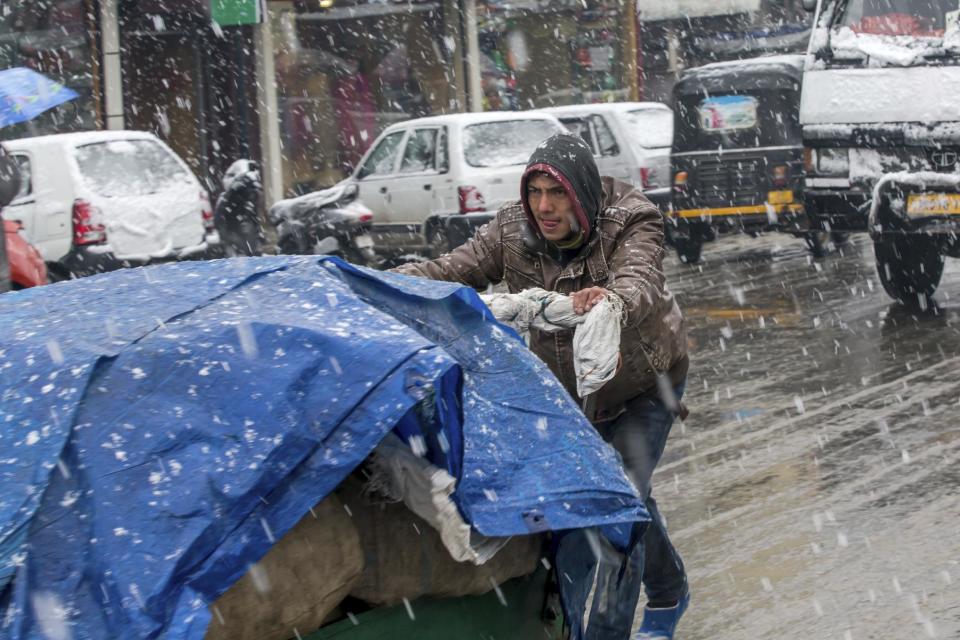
(625, 257)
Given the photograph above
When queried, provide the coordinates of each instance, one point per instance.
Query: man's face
(551, 207)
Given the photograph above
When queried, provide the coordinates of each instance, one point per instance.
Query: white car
(631, 141)
(100, 200)
(423, 178)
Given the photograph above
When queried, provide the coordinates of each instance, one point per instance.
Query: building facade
(304, 86)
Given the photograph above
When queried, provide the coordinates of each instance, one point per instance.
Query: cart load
(261, 447)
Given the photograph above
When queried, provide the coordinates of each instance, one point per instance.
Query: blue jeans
(639, 435)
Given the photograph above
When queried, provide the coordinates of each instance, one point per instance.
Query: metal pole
(452, 21)
(240, 92)
(474, 86)
(112, 74)
(631, 50)
(271, 169)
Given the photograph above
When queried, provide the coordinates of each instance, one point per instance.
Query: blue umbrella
(25, 94)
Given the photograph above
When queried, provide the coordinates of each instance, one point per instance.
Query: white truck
(880, 111)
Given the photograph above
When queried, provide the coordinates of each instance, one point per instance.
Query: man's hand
(587, 299)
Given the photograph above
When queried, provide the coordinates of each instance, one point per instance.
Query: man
(577, 233)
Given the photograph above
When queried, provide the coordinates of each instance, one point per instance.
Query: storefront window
(348, 69)
(553, 52)
(51, 37)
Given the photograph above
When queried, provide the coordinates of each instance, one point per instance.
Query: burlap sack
(297, 584)
(404, 556)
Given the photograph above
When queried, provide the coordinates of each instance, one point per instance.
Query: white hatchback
(100, 200)
(631, 141)
(424, 177)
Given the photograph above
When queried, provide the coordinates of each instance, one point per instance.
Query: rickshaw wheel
(817, 243)
(688, 249)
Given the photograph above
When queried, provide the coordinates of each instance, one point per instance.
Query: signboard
(650, 10)
(728, 113)
(229, 13)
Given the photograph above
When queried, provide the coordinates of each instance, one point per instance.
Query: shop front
(539, 53)
(57, 39)
(346, 69)
(190, 81)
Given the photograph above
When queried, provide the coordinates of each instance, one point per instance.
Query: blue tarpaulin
(161, 428)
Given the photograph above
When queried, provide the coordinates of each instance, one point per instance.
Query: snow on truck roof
(78, 139)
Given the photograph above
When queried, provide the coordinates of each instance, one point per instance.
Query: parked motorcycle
(237, 213)
(330, 221)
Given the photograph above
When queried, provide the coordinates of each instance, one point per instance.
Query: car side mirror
(810, 5)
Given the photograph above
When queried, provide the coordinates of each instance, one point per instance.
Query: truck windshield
(918, 18)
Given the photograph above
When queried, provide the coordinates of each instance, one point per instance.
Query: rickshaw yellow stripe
(737, 211)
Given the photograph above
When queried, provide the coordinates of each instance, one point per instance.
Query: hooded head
(566, 159)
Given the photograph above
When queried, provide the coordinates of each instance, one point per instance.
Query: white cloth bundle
(427, 490)
(596, 336)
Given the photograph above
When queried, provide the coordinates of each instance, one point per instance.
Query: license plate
(363, 242)
(933, 204)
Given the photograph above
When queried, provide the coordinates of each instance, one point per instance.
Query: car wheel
(398, 260)
(910, 268)
(57, 272)
(439, 242)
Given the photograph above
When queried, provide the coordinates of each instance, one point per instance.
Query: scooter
(330, 221)
(237, 213)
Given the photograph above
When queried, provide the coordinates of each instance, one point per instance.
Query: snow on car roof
(473, 118)
(78, 139)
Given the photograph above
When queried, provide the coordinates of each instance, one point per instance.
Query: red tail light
(366, 217)
(471, 199)
(207, 211)
(87, 225)
(680, 181)
(779, 177)
(645, 177)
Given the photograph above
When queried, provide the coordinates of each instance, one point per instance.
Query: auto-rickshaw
(737, 156)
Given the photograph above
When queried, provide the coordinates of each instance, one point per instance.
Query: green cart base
(467, 618)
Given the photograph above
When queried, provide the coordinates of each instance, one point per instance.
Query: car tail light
(365, 217)
(87, 225)
(779, 176)
(645, 177)
(471, 199)
(206, 211)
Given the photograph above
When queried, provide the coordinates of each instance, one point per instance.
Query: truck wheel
(688, 249)
(910, 268)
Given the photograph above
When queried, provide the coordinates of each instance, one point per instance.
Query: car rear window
(129, 167)
(505, 143)
(651, 127)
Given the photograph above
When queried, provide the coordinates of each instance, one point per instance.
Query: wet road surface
(814, 491)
